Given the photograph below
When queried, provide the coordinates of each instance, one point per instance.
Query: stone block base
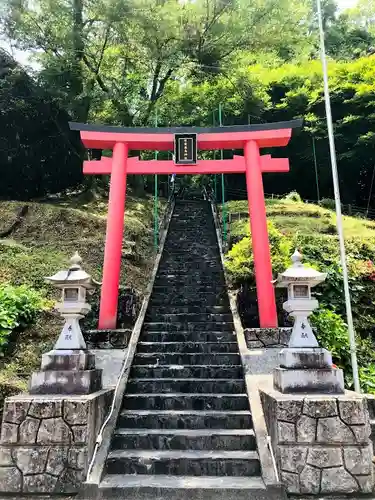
(47, 441)
(318, 381)
(307, 358)
(68, 360)
(65, 382)
(321, 443)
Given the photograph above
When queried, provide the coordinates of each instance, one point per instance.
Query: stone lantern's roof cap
(298, 273)
(75, 275)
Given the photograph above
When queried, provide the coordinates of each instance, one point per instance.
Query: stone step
(170, 309)
(179, 268)
(210, 326)
(191, 371)
(188, 317)
(196, 240)
(199, 300)
(198, 265)
(190, 281)
(187, 291)
(188, 336)
(196, 273)
(180, 463)
(172, 358)
(187, 347)
(197, 251)
(188, 419)
(185, 401)
(183, 439)
(183, 385)
(145, 487)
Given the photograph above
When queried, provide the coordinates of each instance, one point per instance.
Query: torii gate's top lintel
(162, 139)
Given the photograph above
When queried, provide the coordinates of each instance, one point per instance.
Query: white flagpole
(338, 203)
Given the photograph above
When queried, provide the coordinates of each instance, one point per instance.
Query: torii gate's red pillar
(113, 240)
(259, 232)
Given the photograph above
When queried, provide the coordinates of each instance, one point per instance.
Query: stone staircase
(185, 428)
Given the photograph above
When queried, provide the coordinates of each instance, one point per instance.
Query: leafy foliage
(19, 307)
(240, 261)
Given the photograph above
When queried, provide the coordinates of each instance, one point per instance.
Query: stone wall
(257, 338)
(263, 348)
(47, 441)
(321, 443)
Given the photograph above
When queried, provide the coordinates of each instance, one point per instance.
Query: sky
(344, 4)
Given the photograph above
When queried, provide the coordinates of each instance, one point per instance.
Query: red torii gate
(250, 138)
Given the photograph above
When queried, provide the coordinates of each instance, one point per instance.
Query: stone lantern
(69, 368)
(299, 280)
(74, 284)
(304, 366)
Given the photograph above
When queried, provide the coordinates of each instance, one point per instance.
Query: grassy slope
(43, 244)
(291, 217)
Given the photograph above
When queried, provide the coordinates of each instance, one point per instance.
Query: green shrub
(19, 306)
(293, 196)
(332, 334)
(240, 261)
(328, 203)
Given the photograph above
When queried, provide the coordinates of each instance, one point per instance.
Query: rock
(310, 480)
(292, 458)
(54, 430)
(338, 480)
(320, 456)
(333, 430)
(269, 336)
(40, 483)
(254, 344)
(352, 411)
(80, 434)
(76, 412)
(290, 481)
(358, 460)
(250, 334)
(9, 433)
(31, 460)
(57, 460)
(5, 456)
(306, 429)
(28, 431)
(362, 432)
(45, 409)
(10, 480)
(70, 481)
(284, 336)
(366, 483)
(15, 411)
(289, 410)
(320, 408)
(286, 432)
(77, 458)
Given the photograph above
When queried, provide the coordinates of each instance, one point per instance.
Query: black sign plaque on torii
(185, 149)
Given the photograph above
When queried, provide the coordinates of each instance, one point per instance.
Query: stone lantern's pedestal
(308, 370)
(66, 372)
